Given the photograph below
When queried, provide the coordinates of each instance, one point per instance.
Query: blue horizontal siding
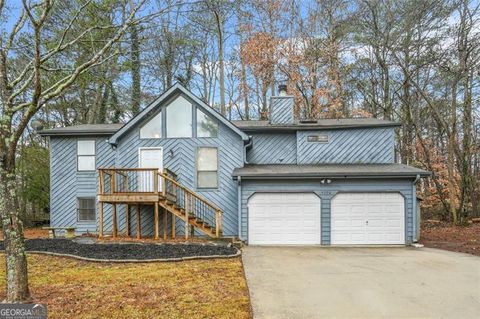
(180, 157)
(273, 148)
(66, 183)
(348, 146)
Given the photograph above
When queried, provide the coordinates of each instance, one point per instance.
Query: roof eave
(75, 133)
(327, 175)
(313, 127)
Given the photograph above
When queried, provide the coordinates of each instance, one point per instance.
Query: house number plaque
(320, 138)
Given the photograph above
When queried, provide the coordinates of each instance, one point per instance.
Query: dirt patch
(465, 239)
(193, 289)
(126, 251)
(31, 233)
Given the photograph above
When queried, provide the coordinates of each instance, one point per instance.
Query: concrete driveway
(316, 282)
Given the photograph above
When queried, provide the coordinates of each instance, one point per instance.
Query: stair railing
(194, 206)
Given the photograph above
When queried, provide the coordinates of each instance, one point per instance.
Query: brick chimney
(281, 107)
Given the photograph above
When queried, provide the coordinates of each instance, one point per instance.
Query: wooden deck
(135, 187)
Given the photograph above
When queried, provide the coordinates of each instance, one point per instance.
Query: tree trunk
(219, 21)
(451, 155)
(135, 56)
(16, 258)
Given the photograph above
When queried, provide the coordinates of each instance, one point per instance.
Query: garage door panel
(368, 218)
(284, 218)
(348, 237)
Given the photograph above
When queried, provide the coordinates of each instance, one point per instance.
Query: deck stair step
(180, 197)
(128, 185)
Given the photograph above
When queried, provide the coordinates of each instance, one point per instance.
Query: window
(179, 118)
(206, 126)
(207, 167)
(153, 128)
(86, 209)
(86, 155)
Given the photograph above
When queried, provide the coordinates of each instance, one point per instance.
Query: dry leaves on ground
(193, 289)
(465, 239)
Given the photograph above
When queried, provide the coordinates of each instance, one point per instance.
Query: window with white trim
(179, 118)
(86, 155)
(206, 126)
(207, 167)
(153, 128)
(86, 209)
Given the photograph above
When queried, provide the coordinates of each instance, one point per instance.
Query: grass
(193, 289)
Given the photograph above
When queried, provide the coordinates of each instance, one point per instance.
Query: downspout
(114, 148)
(414, 208)
(247, 145)
(239, 187)
(239, 199)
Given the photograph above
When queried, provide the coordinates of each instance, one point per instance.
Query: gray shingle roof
(329, 170)
(317, 125)
(83, 129)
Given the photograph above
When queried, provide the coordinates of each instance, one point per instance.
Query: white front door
(368, 219)
(149, 157)
(284, 219)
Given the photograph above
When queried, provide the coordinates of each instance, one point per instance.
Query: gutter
(74, 133)
(312, 127)
(316, 176)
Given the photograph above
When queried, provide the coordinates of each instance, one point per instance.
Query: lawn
(193, 289)
(465, 239)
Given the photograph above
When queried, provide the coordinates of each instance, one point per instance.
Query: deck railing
(129, 180)
(134, 181)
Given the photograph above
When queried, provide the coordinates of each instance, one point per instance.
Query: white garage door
(284, 219)
(368, 218)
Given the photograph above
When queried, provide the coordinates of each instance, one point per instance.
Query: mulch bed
(465, 239)
(126, 251)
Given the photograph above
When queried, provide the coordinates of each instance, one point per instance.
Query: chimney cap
(282, 89)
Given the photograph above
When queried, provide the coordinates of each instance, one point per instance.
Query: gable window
(207, 167)
(153, 128)
(86, 155)
(179, 118)
(86, 209)
(206, 126)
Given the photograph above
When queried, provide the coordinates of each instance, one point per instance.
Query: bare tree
(26, 86)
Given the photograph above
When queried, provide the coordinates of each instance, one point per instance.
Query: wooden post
(186, 216)
(114, 220)
(100, 219)
(164, 186)
(156, 220)
(127, 223)
(164, 212)
(173, 226)
(113, 181)
(217, 223)
(155, 181)
(100, 184)
(139, 227)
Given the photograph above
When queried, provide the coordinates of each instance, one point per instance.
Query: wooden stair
(190, 207)
(135, 186)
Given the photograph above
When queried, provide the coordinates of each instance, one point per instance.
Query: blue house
(179, 168)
